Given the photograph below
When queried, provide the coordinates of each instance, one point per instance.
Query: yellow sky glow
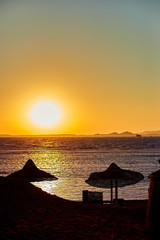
(97, 61)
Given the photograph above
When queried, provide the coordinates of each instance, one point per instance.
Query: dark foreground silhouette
(31, 173)
(27, 212)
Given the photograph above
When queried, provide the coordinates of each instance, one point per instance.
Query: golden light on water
(45, 114)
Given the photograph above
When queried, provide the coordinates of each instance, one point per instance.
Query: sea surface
(72, 159)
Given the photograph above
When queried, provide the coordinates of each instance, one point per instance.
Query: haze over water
(72, 159)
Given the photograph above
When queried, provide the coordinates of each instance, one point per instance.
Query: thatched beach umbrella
(114, 176)
(31, 173)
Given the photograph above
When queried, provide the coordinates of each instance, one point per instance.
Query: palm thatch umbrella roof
(155, 174)
(114, 176)
(31, 173)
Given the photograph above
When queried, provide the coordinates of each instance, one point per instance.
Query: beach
(27, 212)
(80, 119)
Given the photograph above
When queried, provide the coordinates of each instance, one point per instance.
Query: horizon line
(112, 134)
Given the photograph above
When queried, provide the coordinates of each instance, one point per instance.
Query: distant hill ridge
(113, 134)
(123, 134)
(151, 133)
(130, 134)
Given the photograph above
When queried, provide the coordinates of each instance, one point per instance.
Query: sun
(45, 114)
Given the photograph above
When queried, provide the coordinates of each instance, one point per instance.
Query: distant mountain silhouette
(5, 135)
(112, 134)
(151, 133)
(130, 134)
(115, 134)
(127, 133)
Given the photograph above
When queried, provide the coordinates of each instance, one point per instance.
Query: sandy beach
(27, 212)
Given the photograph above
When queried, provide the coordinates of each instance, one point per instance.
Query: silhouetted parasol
(114, 176)
(31, 173)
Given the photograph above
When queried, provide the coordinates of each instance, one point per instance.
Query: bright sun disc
(45, 114)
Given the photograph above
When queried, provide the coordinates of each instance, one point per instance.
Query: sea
(72, 159)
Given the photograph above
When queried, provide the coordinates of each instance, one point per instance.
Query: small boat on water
(138, 135)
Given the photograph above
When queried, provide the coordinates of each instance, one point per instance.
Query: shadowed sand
(27, 212)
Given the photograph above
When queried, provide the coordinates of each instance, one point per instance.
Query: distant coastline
(113, 134)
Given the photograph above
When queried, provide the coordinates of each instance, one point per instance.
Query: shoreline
(27, 212)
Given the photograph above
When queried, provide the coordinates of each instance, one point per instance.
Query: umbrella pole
(116, 193)
(111, 191)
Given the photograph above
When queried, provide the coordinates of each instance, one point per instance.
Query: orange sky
(98, 61)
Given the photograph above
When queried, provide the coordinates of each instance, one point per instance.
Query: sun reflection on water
(72, 168)
(50, 161)
(46, 186)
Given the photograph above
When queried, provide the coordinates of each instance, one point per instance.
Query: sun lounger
(92, 196)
